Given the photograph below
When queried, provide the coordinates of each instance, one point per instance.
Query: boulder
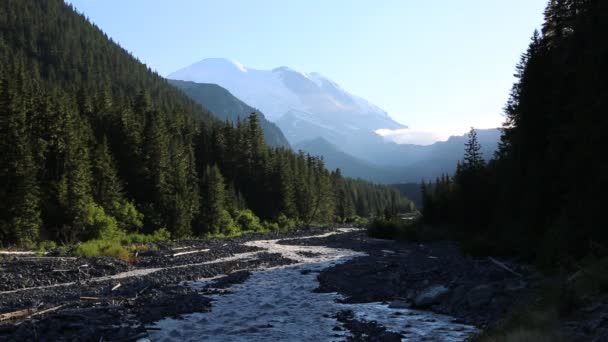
(429, 296)
(480, 295)
(398, 304)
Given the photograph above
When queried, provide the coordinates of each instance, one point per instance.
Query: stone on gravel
(480, 296)
(429, 296)
(399, 304)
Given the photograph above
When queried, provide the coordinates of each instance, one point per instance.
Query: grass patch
(119, 246)
(94, 248)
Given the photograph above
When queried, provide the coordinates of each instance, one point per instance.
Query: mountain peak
(220, 63)
(322, 106)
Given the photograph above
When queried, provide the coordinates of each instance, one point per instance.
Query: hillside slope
(227, 107)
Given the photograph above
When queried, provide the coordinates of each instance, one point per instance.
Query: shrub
(136, 239)
(225, 224)
(127, 215)
(161, 234)
(394, 228)
(100, 224)
(286, 223)
(116, 251)
(247, 221)
(270, 226)
(93, 248)
(358, 221)
(45, 246)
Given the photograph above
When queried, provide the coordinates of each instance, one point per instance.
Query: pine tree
(107, 190)
(215, 219)
(19, 211)
(75, 183)
(473, 159)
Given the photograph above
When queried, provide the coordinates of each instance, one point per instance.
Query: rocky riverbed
(308, 284)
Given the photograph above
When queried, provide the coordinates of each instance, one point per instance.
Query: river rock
(429, 296)
(480, 296)
(399, 304)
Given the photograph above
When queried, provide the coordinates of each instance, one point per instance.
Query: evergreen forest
(541, 196)
(93, 143)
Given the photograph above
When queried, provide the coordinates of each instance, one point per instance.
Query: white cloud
(415, 136)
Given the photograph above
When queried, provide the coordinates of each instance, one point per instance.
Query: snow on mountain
(282, 91)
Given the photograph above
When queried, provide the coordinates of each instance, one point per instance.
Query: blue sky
(435, 65)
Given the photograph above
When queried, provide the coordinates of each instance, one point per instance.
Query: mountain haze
(350, 166)
(403, 163)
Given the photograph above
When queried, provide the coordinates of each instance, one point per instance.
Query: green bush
(45, 246)
(161, 234)
(286, 223)
(136, 239)
(247, 221)
(93, 248)
(102, 225)
(358, 221)
(128, 217)
(225, 224)
(394, 228)
(270, 226)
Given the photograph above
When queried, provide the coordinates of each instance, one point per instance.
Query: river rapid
(279, 304)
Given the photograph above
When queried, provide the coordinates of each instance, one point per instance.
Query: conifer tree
(473, 159)
(19, 210)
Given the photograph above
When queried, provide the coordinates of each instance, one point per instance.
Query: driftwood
(47, 310)
(190, 252)
(180, 248)
(504, 267)
(17, 314)
(45, 258)
(17, 253)
(116, 286)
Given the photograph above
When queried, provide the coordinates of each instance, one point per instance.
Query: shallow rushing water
(279, 305)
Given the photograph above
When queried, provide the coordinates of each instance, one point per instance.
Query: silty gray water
(279, 304)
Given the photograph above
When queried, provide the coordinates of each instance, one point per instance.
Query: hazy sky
(434, 65)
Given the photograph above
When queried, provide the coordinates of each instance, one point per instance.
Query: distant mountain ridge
(304, 105)
(318, 116)
(349, 166)
(406, 163)
(227, 107)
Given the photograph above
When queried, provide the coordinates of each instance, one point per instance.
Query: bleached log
(190, 252)
(47, 311)
(17, 314)
(503, 266)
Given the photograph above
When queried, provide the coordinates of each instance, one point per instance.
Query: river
(279, 304)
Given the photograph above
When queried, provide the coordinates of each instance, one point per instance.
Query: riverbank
(64, 298)
(361, 289)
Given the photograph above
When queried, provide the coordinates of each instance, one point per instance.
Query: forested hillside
(226, 106)
(543, 194)
(92, 142)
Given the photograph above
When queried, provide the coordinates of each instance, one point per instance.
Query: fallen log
(47, 311)
(117, 286)
(190, 252)
(505, 267)
(17, 314)
(179, 248)
(45, 258)
(90, 298)
(17, 253)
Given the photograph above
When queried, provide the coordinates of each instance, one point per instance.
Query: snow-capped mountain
(304, 105)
